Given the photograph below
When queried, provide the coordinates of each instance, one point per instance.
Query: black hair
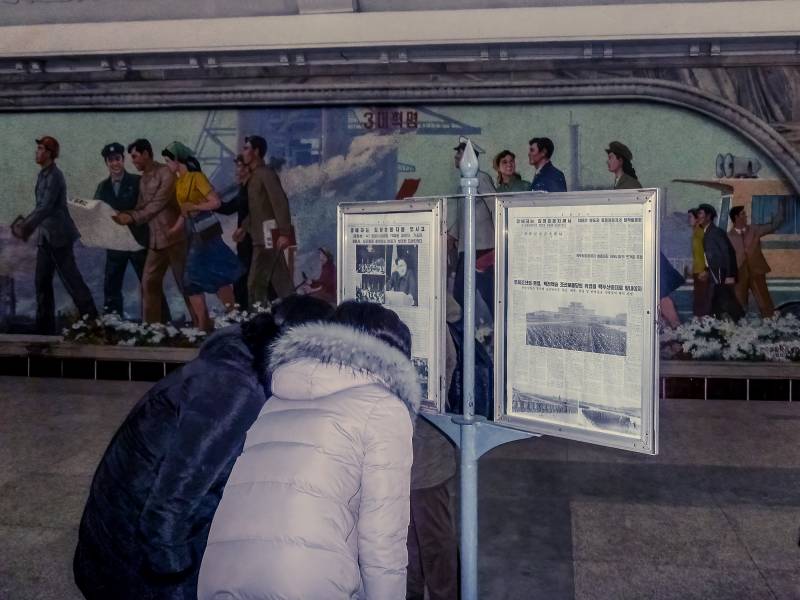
(258, 334)
(734, 212)
(192, 164)
(693, 212)
(297, 309)
(708, 209)
(544, 144)
(627, 166)
(257, 143)
(377, 321)
(141, 145)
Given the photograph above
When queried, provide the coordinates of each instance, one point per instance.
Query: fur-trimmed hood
(340, 347)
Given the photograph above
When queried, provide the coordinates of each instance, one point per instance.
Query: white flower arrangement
(238, 316)
(111, 329)
(753, 339)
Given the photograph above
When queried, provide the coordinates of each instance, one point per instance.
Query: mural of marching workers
(183, 184)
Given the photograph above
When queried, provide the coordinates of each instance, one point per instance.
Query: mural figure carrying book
(266, 202)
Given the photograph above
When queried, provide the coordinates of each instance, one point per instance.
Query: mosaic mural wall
(328, 155)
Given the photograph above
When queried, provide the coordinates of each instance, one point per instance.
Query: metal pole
(469, 455)
(474, 435)
(468, 543)
(469, 183)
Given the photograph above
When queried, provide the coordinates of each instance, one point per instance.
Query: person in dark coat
(403, 279)
(155, 491)
(56, 237)
(244, 249)
(120, 190)
(547, 177)
(721, 269)
(432, 540)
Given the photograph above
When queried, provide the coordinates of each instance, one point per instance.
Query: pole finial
(469, 161)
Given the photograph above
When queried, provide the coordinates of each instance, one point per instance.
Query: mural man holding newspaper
(57, 234)
(120, 190)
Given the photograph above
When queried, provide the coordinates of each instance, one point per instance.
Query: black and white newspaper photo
(388, 258)
(575, 316)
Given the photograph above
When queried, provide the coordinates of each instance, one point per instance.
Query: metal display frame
(648, 199)
(437, 206)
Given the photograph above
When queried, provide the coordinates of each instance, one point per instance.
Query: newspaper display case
(576, 316)
(393, 253)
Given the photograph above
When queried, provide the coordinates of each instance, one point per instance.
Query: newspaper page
(388, 259)
(93, 220)
(576, 316)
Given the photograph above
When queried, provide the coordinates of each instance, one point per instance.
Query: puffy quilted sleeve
(222, 404)
(384, 509)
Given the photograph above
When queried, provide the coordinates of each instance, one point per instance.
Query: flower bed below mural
(751, 339)
(112, 330)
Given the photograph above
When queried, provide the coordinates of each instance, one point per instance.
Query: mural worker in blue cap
(57, 235)
(120, 190)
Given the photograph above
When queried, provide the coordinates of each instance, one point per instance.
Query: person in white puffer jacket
(317, 505)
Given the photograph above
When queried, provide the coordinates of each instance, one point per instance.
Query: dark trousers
(703, 290)
(432, 546)
(484, 283)
(61, 260)
(116, 263)
(724, 304)
(244, 250)
(269, 276)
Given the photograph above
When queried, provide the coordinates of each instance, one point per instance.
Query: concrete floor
(715, 515)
